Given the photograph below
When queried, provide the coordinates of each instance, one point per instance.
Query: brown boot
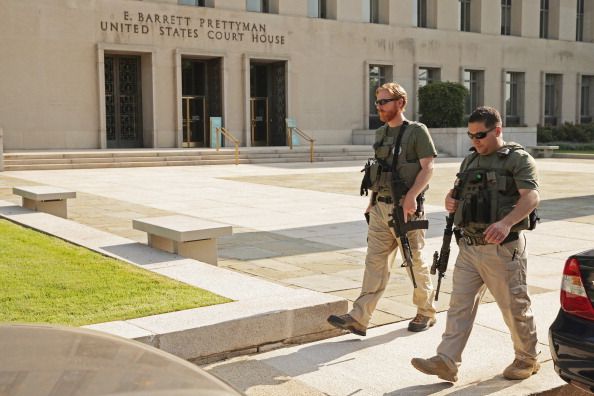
(435, 366)
(421, 323)
(521, 369)
(346, 322)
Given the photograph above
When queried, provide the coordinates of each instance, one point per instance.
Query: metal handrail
(304, 136)
(233, 139)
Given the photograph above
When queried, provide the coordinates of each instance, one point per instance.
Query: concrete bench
(46, 199)
(542, 151)
(184, 235)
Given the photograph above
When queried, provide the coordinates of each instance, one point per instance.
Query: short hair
(489, 115)
(395, 90)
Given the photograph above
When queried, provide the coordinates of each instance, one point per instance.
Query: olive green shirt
(518, 163)
(416, 144)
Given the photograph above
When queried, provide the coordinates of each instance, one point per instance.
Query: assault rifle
(440, 260)
(398, 190)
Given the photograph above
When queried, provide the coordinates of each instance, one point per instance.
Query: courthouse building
(97, 74)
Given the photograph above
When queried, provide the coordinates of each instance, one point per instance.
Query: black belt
(480, 240)
(386, 199)
(420, 199)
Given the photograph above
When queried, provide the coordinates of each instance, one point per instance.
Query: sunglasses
(479, 135)
(381, 102)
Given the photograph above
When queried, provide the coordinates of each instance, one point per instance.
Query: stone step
(88, 159)
(38, 167)
(34, 161)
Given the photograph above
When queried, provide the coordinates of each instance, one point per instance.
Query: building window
(544, 19)
(196, 3)
(579, 21)
(422, 13)
(514, 98)
(371, 11)
(378, 75)
(427, 75)
(257, 6)
(552, 105)
(465, 15)
(316, 8)
(587, 100)
(505, 17)
(473, 81)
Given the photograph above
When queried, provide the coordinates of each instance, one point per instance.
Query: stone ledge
(181, 228)
(542, 151)
(43, 193)
(263, 312)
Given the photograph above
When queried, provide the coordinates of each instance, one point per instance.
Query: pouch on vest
(533, 219)
(371, 176)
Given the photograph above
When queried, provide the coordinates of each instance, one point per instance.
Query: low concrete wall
(453, 141)
(364, 136)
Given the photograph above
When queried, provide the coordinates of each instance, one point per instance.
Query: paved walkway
(301, 225)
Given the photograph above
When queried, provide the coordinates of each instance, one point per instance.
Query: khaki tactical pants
(502, 270)
(381, 251)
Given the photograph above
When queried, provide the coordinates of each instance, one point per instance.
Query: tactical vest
(407, 168)
(487, 195)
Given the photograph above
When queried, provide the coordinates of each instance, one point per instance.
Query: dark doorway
(201, 99)
(123, 105)
(268, 103)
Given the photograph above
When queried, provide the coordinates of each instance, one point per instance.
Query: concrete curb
(573, 156)
(263, 316)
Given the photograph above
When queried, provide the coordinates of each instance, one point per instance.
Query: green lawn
(46, 280)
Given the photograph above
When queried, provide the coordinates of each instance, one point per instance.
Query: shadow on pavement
(421, 390)
(304, 240)
(482, 388)
(566, 208)
(351, 235)
(304, 360)
(140, 254)
(485, 387)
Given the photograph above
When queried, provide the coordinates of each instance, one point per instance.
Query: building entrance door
(123, 106)
(259, 121)
(201, 99)
(194, 121)
(268, 103)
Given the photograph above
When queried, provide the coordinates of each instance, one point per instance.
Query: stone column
(1, 151)
(529, 18)
(446, 14)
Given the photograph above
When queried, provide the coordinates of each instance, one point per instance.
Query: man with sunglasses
(498, 191)
(415, 154)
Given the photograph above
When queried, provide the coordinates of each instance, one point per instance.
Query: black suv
(571, 336)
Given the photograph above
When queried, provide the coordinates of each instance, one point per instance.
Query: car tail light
(574, 299)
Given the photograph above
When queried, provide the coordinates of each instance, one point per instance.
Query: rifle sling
(397, 146)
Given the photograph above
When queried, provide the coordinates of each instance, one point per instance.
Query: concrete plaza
(301, 225)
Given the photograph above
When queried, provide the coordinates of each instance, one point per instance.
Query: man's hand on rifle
(409, 206)
(451, 204)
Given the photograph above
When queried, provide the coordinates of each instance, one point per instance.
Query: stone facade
(55, 54)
